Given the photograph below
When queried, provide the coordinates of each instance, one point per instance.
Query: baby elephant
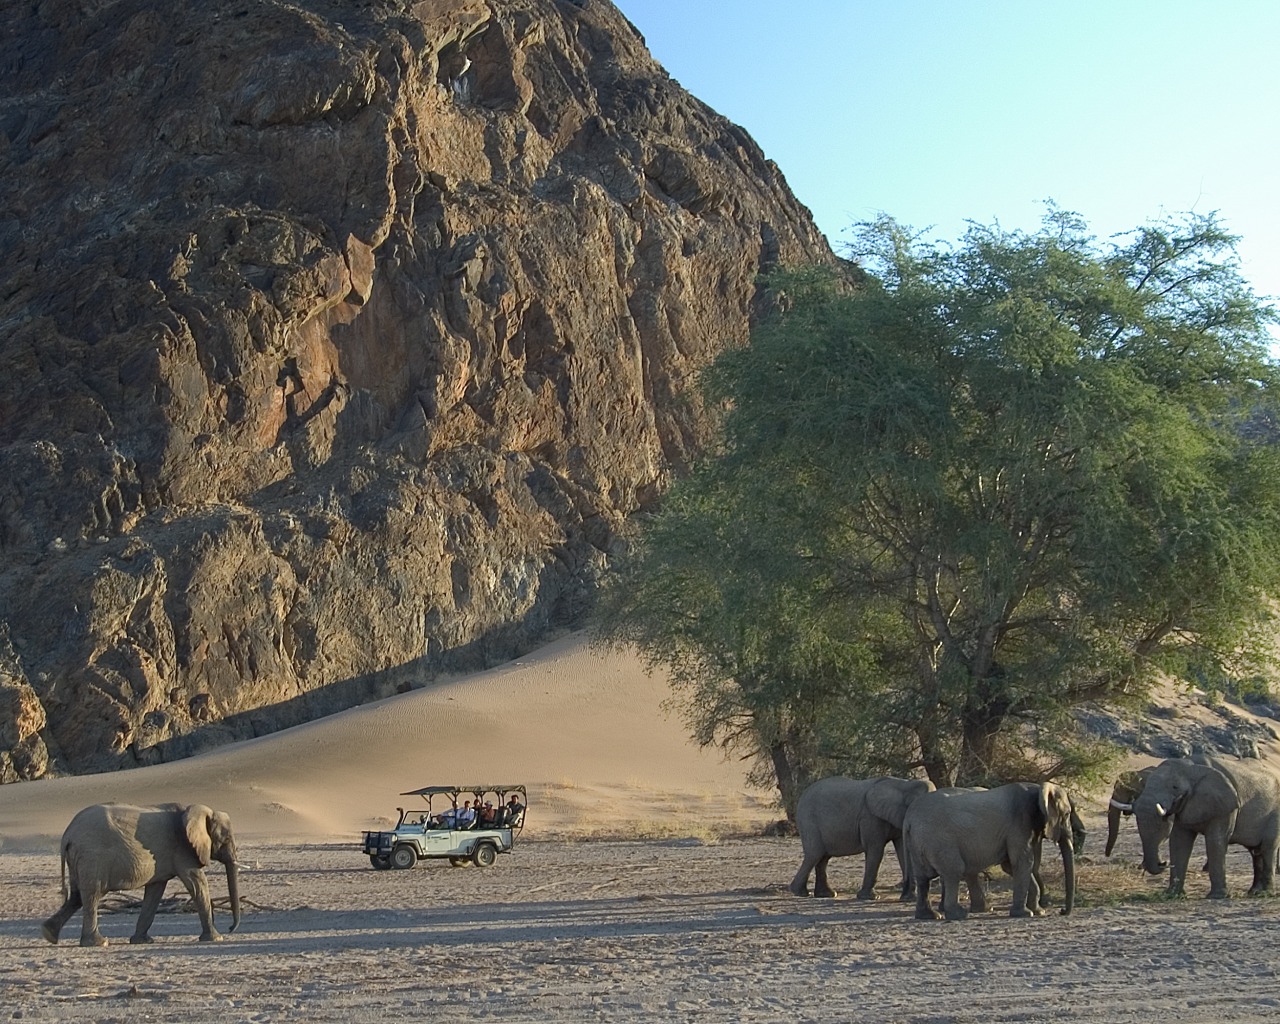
(111, 847)
(954, 834)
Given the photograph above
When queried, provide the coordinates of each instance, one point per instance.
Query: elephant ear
(196, 822)
(1055, 808)
(888, 799)
(1128, 787)
(1212, 795)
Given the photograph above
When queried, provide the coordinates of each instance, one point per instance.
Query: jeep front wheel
(484, 855)
(379, 861)
(404, 857)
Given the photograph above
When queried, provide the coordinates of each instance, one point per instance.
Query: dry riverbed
(674, 930)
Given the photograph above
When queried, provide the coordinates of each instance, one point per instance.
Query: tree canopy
(954, 501)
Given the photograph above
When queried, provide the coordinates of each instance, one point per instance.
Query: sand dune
(582, 728)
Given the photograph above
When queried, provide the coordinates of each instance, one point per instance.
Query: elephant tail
(66, 894)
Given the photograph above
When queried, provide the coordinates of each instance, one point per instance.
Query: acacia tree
(990, 484)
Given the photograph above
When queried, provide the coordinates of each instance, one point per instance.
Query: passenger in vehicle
(447, 819)
(466, 816)
(488, 816)
(513, 810)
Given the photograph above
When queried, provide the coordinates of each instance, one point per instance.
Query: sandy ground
(694, 923)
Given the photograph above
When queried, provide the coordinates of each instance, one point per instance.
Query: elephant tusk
(242, 867)
(1161, 811)
(1127, 808)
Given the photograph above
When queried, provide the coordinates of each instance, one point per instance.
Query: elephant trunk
(1068, 873)
(233, 884)
(1153, 831)
(1113, 826)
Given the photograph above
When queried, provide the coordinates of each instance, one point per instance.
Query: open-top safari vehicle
(465, 824)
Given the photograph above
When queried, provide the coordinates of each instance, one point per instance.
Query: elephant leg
(924, 911)
(1180, 842)
(198, 886)
(800, 884)
(150, 903)
(906, 891)
(1037, 898)
(977, 893)
(1215, 848)
(951, 908)
(1264, 868)
(1024, 901)
(900, 848)
(872, 860)
(1037, 884)
(89, 934)
(1256, 856)
(54, 925)
(1037, 879)
(821, 888)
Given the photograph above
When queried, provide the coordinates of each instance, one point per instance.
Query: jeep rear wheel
(404, 857)
(484, 855)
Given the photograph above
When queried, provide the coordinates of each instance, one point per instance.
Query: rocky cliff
(339, 337)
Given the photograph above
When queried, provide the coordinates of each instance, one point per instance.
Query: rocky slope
(339, 338)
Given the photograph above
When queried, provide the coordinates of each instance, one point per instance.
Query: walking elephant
(976, 881)
(955, 834)
(839, 817)
(112, 847)
(1224, 801)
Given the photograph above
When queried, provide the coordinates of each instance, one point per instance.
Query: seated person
(447, 819)
(512, 811)
(467, 816)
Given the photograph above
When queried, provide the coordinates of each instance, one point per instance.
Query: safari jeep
(443, 832)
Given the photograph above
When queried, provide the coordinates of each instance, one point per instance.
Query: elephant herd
(950, 834)
(957, 834)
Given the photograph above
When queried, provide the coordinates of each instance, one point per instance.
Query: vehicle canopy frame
(503, 794)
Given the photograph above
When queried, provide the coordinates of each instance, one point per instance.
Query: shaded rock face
(339, 339)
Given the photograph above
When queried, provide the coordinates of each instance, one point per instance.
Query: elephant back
(830, 815)
(1258, 791)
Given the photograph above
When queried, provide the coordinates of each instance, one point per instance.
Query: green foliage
(988, 485)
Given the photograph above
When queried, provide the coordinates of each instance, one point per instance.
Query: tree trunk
(985, 713)
(977, 751)
(932, 759)
(789, 784)
(938, 772)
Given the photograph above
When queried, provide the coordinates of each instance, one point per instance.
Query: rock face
(339, 337)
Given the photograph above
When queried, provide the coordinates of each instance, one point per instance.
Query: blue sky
(942, 111)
